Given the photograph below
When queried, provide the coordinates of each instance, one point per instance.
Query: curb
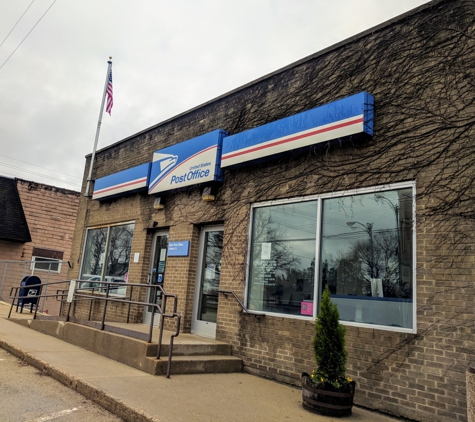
(96, 395)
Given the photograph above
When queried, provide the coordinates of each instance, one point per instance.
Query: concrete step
(209, 364)
(194, 349)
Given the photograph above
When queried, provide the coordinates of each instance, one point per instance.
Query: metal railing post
(105, 308)
(170, 350)
(13, 301)
(69, 311)
(130, 298)
(160, 337)
(90, 305)
(46, 283)
(163, 310)
(150, 330)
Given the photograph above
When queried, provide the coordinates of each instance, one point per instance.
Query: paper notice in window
(210, 272)
(265, 252)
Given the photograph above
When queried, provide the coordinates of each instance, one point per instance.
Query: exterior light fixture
(158, 204)
(208, 195)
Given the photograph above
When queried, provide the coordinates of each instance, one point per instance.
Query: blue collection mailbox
(29, 295)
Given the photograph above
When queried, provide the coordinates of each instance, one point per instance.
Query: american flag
(110, 101)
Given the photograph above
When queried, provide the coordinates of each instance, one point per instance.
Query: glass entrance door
(156, 276)
(205, 307)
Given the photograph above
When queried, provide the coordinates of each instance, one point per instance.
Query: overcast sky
(168, 57)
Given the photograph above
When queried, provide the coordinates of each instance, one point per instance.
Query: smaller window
(106, 255)
(45, 264)
(282, 259)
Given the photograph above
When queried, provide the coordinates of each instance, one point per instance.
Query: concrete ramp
(191, 354)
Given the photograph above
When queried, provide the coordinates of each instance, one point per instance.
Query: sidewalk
(134, 395)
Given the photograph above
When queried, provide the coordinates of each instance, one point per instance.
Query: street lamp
(369, 229)
(381, 197)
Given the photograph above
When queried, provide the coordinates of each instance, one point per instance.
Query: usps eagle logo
(165, 162)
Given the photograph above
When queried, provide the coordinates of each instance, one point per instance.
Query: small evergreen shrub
(329, 347)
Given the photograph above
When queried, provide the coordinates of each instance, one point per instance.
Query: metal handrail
(225, 293)
(38, 296)
(77, 296)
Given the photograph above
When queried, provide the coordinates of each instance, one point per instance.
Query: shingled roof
(13, 224)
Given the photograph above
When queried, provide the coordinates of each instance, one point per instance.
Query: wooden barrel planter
(323, 402)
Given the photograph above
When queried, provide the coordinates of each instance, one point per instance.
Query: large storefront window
(365, 257)
(282, 271)
(107, 254)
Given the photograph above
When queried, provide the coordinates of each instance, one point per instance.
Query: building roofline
(297, 63)
(14, 225)
(59, 189)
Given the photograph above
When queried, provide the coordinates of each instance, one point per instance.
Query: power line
(14, 26)
(38, 174)
(58, 180)
(36, 165)
(34, 26)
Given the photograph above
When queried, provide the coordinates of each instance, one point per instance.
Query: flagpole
(91, 165)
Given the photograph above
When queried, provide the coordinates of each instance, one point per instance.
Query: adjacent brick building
(378, 206)
(37, 225)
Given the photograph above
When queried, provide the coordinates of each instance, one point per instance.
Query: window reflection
(120, 245)
(210, 277)
(93, 259)
(107, 256)
(282, 269)
(366, 256)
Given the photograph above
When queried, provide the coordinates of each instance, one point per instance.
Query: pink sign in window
(306, 308)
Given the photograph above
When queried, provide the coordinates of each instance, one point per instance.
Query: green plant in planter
(329, 346)
(327, 390)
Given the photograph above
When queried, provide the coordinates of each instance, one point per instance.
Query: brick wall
(471, 394)
(51, 216)
(11, 250)
(423, 132)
